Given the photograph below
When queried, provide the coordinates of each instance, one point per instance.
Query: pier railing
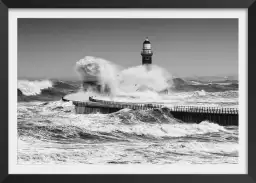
(190, 114)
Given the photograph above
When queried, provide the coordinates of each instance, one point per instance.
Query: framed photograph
(126, 91)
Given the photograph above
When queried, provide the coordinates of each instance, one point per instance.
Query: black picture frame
(5, 4)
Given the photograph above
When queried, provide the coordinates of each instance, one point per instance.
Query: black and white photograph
(130, 91)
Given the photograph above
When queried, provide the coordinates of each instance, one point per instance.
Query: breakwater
(189, 114)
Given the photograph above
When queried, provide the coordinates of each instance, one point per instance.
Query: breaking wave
(109, 75)
(33, 87)
(61, 124)
(49, 130)
(45, 90)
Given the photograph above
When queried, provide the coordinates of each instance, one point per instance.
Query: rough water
(49, 131)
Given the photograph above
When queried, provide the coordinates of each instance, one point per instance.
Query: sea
(50, 132)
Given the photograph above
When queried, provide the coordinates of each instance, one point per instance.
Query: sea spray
(33, 87)
(140, 78)
(99, 71)
(51, 132)
(132, 81)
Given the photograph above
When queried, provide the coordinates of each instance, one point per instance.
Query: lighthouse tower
(146, 52)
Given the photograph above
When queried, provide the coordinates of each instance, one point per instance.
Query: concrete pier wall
(94, 107)
(222, 119)
(189, 114)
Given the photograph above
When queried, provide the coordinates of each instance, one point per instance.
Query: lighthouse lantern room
(146, 52)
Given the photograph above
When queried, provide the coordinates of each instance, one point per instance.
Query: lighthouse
(146, 52)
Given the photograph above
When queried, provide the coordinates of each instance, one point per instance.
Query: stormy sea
(50, 132)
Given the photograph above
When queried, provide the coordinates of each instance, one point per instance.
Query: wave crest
(62, 124)
(29, 88)
(154, 116)
(105, 74)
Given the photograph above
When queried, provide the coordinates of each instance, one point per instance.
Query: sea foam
(33, 87)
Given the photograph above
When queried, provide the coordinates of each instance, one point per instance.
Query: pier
(188, 114)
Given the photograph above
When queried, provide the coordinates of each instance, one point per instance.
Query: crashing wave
(63, 123)
(106, 77)
(44, 90)
(98, 73)
(33, 87)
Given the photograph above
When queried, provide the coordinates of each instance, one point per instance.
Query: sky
(50, 48)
